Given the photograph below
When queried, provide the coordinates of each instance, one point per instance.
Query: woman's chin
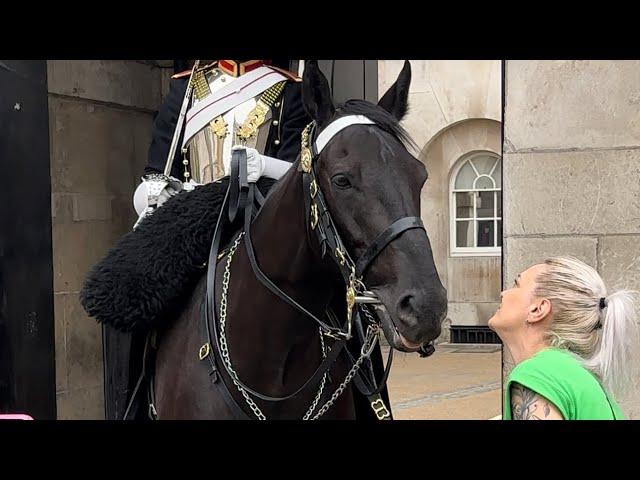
(492, 322)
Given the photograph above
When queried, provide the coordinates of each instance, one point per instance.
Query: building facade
(455, 114)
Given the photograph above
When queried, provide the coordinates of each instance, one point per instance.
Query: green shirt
(559, 376)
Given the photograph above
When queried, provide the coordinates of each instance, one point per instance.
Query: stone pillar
(572, 168)
(100, 117)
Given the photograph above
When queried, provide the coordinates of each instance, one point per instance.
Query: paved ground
(456, 382)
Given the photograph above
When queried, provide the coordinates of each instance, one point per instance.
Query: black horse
(368, 181)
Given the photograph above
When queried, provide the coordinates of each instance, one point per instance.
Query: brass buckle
(351, 301)
(380, 409)
(314, 216)
(306, 159)
(331, 335)
(351, 295)
(336, 336)
(204, 351)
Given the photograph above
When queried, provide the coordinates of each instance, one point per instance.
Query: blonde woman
(574, 344)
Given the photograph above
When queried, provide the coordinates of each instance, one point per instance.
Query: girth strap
(147, 371)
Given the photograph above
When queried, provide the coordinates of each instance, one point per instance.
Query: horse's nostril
(414, 308)
(407, 307)
(405, 303)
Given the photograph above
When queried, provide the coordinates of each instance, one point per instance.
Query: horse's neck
(280, 238)
(282, 338)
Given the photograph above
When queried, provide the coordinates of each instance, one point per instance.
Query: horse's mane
(380, 117)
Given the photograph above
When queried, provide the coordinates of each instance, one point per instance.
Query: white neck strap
(337, 126)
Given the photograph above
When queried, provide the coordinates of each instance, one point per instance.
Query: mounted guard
(225, 129)
(209, 111)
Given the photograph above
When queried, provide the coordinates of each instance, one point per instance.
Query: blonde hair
(601, 329)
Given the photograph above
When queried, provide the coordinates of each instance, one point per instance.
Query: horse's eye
(341, 181)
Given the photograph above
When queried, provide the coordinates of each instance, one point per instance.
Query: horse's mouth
(392, 334)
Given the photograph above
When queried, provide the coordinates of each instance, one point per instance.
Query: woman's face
(516, 303)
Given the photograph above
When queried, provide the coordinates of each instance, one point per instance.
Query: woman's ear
(539, 310)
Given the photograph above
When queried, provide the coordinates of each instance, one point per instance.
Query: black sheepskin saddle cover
(146, 278)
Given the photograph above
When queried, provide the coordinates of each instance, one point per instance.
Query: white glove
(259, 165)
(168, 192)
(255, 163)
(190, 185)
(141, 195)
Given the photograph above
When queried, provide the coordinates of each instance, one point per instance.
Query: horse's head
(369, 180)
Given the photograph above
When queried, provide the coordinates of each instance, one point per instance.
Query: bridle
(240, 198)
(320, 221)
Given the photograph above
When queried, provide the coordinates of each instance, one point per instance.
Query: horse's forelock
(380, 117)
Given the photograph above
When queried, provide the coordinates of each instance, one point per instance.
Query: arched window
(476, 205)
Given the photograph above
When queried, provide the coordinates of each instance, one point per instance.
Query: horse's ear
(395, 100)
(316, 94)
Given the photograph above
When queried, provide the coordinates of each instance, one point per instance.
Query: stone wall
(455, 108)
(100, 117)
(572, 168)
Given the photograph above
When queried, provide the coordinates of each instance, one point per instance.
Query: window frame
(475, 251)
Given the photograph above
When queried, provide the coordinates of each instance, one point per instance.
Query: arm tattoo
(528, 405)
